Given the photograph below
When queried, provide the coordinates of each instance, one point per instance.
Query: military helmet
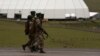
(42, 16)
(38, 15)
(29, 17)
(33, 13)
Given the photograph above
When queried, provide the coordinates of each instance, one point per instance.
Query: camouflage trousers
(38, 40)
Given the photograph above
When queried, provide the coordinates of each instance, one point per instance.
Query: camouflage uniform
(28, 29)
(39, 38)
(28, 26)
(41, 31)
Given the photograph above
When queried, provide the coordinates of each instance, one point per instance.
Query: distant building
(94, 15)
(53, 9)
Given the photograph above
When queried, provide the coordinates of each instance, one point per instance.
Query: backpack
(26, 28)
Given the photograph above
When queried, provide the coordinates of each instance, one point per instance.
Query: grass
(60, 36)
(66, 37)
(94, 5)
(11, 34)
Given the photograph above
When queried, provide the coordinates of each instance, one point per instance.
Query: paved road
(50, 52)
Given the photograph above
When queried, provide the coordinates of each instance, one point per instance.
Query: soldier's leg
(28, 43)
(34, 43)
(41, 45)
(33, 47)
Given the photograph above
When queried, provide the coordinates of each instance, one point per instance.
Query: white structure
(94, 15)
(53, 9)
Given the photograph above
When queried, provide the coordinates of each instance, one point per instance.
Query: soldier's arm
(43, 30)
(26, 28)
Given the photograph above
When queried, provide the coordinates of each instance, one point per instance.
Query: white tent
(53, 9)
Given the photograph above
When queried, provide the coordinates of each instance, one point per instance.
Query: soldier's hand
(47, 36)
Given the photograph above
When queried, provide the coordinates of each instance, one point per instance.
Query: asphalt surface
(50, 52)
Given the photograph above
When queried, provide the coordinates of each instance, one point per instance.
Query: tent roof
(50, 7)
(42, 4)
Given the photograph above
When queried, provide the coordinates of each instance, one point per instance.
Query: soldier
(39, 16)
(28, 28)
(39, 31)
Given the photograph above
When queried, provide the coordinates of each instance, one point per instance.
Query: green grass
(94, 5)
(12, 35)
(72, 38)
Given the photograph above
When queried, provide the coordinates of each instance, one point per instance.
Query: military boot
(41, 50)
(23, 47)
